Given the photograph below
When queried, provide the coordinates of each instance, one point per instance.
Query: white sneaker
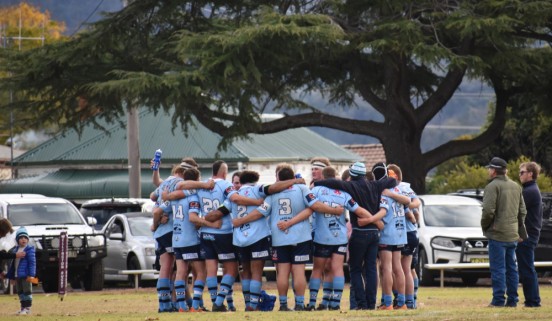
(24, 311)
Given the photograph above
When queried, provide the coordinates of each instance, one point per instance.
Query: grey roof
(96, 146)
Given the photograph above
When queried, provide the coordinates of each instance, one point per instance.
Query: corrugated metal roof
(99, 146)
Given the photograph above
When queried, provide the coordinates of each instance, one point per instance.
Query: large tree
(225, 62)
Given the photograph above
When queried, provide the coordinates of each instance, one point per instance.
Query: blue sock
(327, 293)
(300, 300)
(283, 300)
(388, 299)
(400, 299)
(409, 301)
(164, 294)
(225, 286)
(230, 298)
(212, 287)
(416, 283)
(246, 291)
(338, 285)
(180, 289)
(255, 293)
(314, 286)
(198, 292)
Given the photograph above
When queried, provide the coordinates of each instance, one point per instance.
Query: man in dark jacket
(363, 244)
(502, 223)
(525, 252)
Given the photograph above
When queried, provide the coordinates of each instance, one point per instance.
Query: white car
(130, 246)
(450, 232)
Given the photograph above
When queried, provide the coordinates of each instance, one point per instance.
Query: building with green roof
(94, 164)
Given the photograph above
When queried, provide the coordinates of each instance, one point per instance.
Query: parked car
(130, 246)
(103, 209)
(450, 232)
(44, 218)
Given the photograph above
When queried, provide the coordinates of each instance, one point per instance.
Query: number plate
(479, 260)
(72, 253)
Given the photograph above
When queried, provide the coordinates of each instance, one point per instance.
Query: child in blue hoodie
(23, 270)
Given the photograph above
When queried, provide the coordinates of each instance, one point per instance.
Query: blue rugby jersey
(332, 229)
(212, 199)
(184, 232)
(284, 206)
(169, 184)
(394, 230)
(251, 232)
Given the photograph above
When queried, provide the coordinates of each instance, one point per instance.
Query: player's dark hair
(249, 177)
(216, 166)
(191, 161)
(286, 173)
(191, 174)
(329, 172)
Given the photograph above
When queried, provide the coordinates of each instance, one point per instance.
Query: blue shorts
(164, 243)
(294, 254)
(326, 251)
(391, 248)
(259, 250)
(218, 247)
(188, 253)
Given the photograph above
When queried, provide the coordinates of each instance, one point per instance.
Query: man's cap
(497, 163)
(357, 169)
(21, 232)
(379, 170)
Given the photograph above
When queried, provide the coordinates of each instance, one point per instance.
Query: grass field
(452, 303)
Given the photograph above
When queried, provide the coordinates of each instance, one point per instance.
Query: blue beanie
(357, 169)
(21, 232)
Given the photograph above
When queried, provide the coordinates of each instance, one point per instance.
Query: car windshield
(452, 215)
(103, 214)
(43, 214)
(140, 226)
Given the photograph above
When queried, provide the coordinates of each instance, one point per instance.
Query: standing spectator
(502, 222)
(525, 252)
(23, 271)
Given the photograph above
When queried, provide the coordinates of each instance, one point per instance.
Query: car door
(116, 246)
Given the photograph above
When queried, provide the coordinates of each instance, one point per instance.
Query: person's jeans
(363, 252)
(504, 274)
(525, 254)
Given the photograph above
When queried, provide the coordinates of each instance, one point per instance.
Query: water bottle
(156, 160)
(298, 175)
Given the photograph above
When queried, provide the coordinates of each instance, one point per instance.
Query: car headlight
(443, 242)
(95, 241)
(149, 251)
(76, 242)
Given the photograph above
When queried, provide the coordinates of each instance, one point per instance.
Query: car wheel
(94, 277)
(425, 276)
(134, 264)
(469, 280)
(5, 281)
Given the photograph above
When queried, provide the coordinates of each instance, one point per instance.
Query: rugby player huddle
(198, 225)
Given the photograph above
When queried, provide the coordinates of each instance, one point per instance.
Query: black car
(103, 209)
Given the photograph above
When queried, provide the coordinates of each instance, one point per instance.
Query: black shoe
(511, 305)
(204, 309)
(219, 308)
(334, 308)
(322, 307)
(299, 308)
(232, 309)
(310, 308)
(284, 308)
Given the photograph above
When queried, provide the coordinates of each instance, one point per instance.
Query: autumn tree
(23, 27)
(223, 63)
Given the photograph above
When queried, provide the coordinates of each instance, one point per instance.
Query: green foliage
(458, 173)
